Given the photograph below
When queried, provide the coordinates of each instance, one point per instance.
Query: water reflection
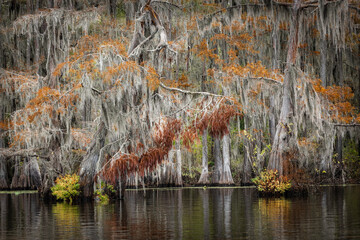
(227, 213)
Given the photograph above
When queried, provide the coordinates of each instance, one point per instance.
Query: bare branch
(189, 92)
(134, 51)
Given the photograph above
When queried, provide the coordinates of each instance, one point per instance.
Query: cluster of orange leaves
(203, 51)
(237, 38)
(47, 99)
(153, 78)
(42, 103)
(126, 163)
(5, 125)
(342, 110)
(83, 60)
(252, 69)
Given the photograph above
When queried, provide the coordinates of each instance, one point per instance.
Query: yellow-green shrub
(67, 187)
(270, 183)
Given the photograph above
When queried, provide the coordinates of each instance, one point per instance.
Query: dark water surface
(333, 213)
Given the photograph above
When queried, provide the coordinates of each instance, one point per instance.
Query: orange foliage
(183, 81)
(191, 25)
(204, 52)
(152, 78)
(5, 125)
(339, 101)
(252, 69)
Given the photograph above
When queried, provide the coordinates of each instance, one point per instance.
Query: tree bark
(218, 170)
(27, 174)
(88, 165)
(284, 144)
(178, 175)
(122, 187)
(226, 177)
(204, 178)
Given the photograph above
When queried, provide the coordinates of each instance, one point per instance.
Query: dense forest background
(178, 92)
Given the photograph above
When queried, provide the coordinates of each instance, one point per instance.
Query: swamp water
(222, 213)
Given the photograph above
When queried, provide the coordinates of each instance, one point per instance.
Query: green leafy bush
(270, 183)
(67, 187)
(105, 192)
(101, 197)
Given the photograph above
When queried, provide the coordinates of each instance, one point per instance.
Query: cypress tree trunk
(216, 176)
(247, 168)
(226, 177)
(27, 174)
(178, 174)
(88, 165)
(122, 187)
(284, 144)
(204, 178)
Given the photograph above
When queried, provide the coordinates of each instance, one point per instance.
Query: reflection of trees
(320, 216)
(67, 218)
(186, 214)
(222, 212)
(277, 210)
(19, 212)
(3, 215)
(205, 203)
(149, 217)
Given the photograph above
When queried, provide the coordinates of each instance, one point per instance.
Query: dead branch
(134, 52)
(190, 92)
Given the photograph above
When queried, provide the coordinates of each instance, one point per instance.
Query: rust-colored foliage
(120, 167)
(220, 118)
(123, 164)
(216, 122)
